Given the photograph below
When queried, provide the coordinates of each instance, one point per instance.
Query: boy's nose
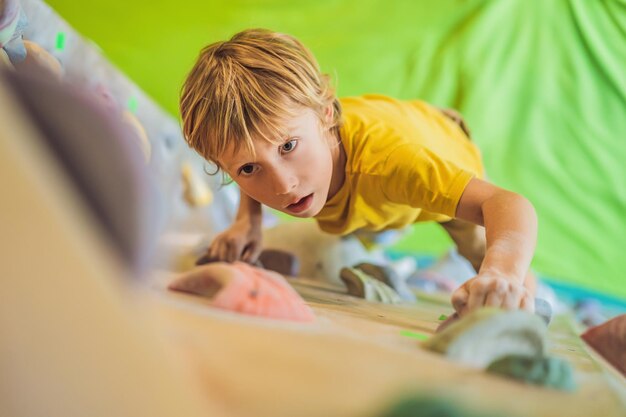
(284, 184)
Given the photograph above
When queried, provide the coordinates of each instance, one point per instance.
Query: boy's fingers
(246, 255)
(251, 253)
(528, 303)
(222, 251)
(229, 252)
(496, 293)
(213, 252)
(494, 299)
(235, 251)
(477, 296)
(218, 252)
(513, 299)
(210, 253)
(459, 299)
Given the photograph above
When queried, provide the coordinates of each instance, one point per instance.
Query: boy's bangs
(254, 118)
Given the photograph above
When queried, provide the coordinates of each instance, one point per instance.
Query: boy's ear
(329, 113)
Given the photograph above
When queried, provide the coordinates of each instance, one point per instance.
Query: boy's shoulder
(377, 103)
(369, 134)
(382, 113)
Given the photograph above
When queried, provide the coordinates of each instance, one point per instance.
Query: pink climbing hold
(245, 289)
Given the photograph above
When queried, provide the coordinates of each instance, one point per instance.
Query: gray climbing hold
(488, 334)
(543, 309)
(388, 276)
(360, 284)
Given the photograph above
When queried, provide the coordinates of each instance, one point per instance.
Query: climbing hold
(487, 334)
(196, 192)
(389, 277)
(245, 289)
(283, 262)
(360, 284)
(140, 133)
(545, 371)
(609, 340)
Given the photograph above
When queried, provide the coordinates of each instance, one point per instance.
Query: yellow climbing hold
(195, 190)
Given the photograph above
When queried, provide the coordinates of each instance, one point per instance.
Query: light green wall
(542, 85)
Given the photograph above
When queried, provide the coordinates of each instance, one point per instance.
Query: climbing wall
(541, 84)
(186, 194)
(358, 357)
(355, 359)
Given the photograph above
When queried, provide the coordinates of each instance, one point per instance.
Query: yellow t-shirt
(406, 162)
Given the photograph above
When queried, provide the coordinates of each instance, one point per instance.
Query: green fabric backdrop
(542, 84)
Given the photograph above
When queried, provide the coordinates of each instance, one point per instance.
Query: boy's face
(292, 176)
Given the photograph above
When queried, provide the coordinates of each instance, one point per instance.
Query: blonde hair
(246, 87)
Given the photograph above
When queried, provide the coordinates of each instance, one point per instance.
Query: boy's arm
(249, 209)
(242, 240)
(511, 229)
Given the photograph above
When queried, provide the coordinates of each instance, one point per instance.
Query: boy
(258, 107)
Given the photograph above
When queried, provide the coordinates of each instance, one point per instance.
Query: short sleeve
(421, 179)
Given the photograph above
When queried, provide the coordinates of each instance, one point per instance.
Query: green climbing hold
(133, 104)
(421, 406)
(60, 41)
(414, 335)
(545, 371)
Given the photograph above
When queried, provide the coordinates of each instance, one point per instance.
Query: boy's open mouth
(301, 205)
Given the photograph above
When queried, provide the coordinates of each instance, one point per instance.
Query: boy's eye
(288, 146)
(246, 169)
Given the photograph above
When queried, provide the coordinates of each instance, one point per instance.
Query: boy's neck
(339, 164)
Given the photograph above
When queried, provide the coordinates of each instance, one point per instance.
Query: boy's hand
(240, 242)
(487, 290)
